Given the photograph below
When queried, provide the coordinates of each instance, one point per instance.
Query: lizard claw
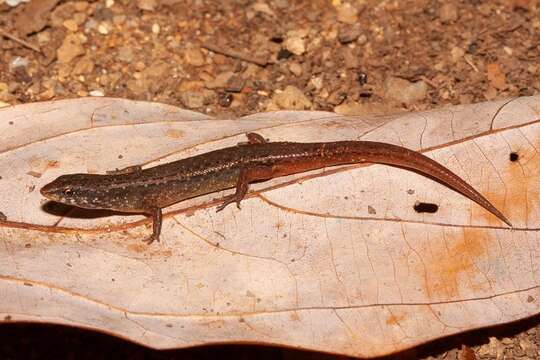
(228, 200)
(150, 239)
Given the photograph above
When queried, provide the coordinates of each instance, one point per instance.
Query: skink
(149, 190)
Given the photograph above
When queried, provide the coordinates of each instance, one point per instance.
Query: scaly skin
(150, 190)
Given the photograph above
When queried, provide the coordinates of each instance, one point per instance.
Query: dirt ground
(232, 58)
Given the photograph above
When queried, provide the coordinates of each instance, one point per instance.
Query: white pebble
(96, 93)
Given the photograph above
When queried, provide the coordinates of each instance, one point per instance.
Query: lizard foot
(150, 239)
(229, 200)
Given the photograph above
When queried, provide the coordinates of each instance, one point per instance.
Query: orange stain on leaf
(175, 133)
(395, 319)
(138, 247)
(214, 324)
(523, 193)
(294, 316)
(40, 164)
(454, 266)
(52, 164)
(519, 198)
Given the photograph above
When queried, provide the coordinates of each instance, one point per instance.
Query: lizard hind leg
(242, 185)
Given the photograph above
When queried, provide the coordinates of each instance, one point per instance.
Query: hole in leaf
(514, 156)
(422, 207)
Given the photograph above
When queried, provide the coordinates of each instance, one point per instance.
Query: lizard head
(75, 189)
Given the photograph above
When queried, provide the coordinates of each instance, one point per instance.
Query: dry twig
(235, 54)
(19, 41)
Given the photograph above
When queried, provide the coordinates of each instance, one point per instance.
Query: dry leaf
(334, 260)
(466, 353)
(496, 77)
(34, 16)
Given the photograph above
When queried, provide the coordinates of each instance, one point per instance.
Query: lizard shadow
(69, 211)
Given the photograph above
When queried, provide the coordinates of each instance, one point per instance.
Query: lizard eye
(68, 191)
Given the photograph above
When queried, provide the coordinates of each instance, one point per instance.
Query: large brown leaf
(335, 260)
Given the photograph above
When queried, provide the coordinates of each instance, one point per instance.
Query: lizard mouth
(48, 191)
(53, 192)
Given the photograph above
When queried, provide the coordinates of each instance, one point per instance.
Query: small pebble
(219, 81)
(192, 99)
(119, 19)
(466, 353)
(235, 83)
(71, 25)
(295, 45)
(457, 54)
(90, 25)
(349, 34)
(295, 69)
(70, 49)
(157, 70)
(347, 14)
(97, 93)
(263, 8)
(104, 28)
(291, 98)
(148, 5)
(448, 12)
(140, 66)
(316, 82)
(295, 41)
(496, 76)
(14, 3)
(337, 96)
(79, 18)
(18, 62)
(350, 59)
(362, 39)
(194, 56)
(85, 65)
(80, 6)
(485, 9)
(43, 37)
(4, 91)
(404, 91)
(125, 54)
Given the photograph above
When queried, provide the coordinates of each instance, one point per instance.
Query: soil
(232, 58)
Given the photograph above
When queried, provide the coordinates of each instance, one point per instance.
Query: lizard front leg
(157, 217)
